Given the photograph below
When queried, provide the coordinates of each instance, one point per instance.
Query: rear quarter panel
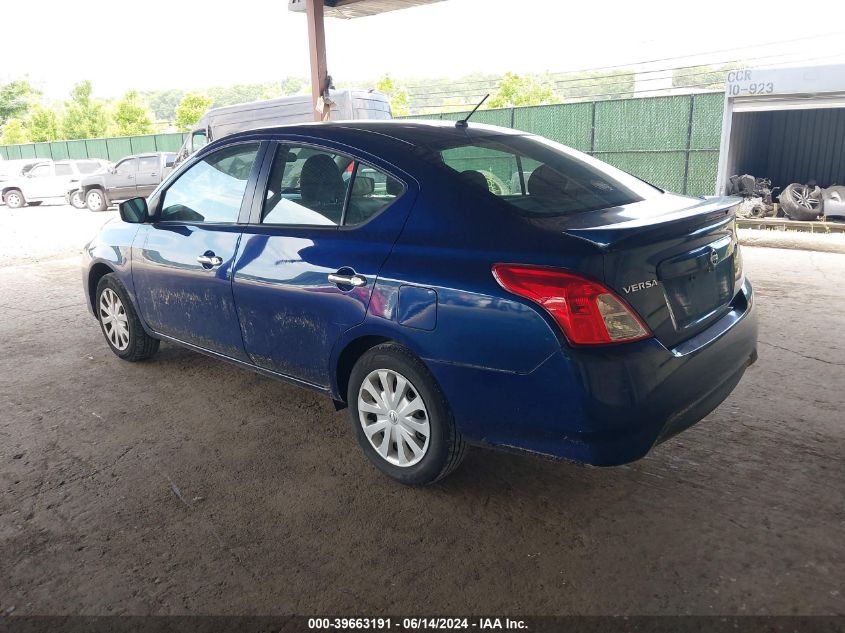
(451, 240)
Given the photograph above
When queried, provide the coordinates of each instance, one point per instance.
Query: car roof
(410, 132)
(145, 155)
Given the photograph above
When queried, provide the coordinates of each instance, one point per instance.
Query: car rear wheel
(96, 200)
(119, 321)
(401, 418)
(14, 199)
(76, 200)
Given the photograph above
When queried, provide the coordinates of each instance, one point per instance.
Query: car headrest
(320, 180)
(545, 182)
(475, 178)
(363, 186)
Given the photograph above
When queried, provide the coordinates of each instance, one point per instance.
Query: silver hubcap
(114, 319)
(94, 199)
(803, 196)
(14, 200)
(394, 417)
(76, 199)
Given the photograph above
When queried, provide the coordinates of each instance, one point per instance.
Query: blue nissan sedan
(451, 285)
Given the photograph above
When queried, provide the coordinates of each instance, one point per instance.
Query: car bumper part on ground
(605, 406)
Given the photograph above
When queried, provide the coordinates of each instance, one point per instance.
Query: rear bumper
(605, 406)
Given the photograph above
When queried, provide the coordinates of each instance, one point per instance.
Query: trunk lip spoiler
(707, 213)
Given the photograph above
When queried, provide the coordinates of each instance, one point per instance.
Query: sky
(194, 45)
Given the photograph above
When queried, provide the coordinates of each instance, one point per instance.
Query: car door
(121, 182)
(39, 182)
(182, 260)
(148, 176)
(311, 254)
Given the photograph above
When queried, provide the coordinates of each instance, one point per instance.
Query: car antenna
(464, 122)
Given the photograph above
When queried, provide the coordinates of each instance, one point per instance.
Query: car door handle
(348, 280)
(212, 261)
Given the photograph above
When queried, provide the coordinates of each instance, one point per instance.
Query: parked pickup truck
(130, 177)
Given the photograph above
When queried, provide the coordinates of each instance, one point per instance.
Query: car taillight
(587, 312)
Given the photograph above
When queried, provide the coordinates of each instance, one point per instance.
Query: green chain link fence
(672, 142)
(106, 148)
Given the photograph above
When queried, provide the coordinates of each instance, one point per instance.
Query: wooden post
(317, 45)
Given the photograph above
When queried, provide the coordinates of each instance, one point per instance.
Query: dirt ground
(185, 485)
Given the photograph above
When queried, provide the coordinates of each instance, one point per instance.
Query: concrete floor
(185, 485)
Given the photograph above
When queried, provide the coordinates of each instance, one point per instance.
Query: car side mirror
(170, 163)
(134, 211)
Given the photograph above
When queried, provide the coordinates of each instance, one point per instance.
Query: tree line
(25, 118)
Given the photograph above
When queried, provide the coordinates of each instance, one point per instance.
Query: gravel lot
(185, 485)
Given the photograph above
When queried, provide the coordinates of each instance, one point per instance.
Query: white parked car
(18, 167)
(46, 181)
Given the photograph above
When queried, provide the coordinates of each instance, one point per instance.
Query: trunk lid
(671, 258)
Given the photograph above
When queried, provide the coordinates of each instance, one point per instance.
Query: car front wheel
(401, 418)
(14, 199)
(120, 323)
(96, 200)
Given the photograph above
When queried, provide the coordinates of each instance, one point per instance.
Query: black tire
(141, 345)
(95, 200)
(14, 199)
(77, 201)
(801, 202)
(446, 448)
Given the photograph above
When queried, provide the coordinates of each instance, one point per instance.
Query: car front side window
(41, 171)
(212, 189)
(127, 167)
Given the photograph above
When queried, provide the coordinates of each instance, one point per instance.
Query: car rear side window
(372, 192)
(148, 163)
(211, 190)
(537, 177)
(63, 169)
(311, 187)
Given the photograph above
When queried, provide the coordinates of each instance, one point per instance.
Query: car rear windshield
(536, 176)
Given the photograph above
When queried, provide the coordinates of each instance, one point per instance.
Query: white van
(219, 122)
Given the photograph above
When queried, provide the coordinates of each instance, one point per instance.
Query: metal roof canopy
(349, 9)
(316, 10)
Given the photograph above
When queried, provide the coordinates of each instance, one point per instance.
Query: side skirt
(259, 370)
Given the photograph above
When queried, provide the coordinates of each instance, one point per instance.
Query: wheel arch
(86, 189)
(347, 358)
(97, 272)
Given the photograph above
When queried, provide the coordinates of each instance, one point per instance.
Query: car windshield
(536, 176)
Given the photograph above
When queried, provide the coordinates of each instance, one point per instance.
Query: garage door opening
(790, 145)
